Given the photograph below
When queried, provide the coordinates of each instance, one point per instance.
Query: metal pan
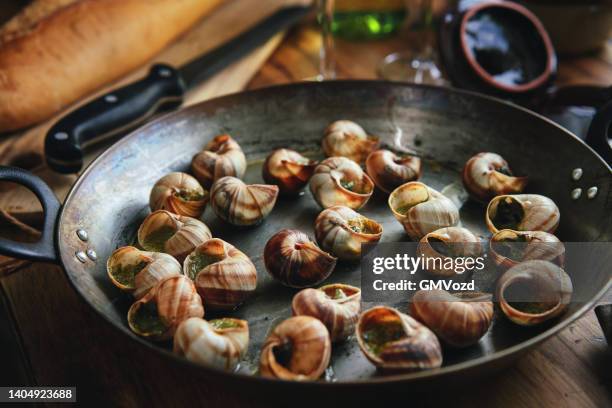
(445, 126)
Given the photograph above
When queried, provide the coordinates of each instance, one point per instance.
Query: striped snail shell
(522, 212)
(223, 275)
(438, 246)
(221, 157)
(242, 204)
(288, 169)
(487, 175)
(348, 139)
(219, 343)
(389, 171)
(508, 248)
(180, 194)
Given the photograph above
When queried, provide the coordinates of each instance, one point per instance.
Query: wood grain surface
(65, 343)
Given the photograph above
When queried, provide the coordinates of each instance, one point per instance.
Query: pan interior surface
(445, 127)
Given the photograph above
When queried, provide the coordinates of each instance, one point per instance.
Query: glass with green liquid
(367, 19)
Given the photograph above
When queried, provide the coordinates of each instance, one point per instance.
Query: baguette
(54, 55)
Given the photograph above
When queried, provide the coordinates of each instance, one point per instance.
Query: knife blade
(161, 90)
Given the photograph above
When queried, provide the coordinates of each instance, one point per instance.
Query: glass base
(420, 69)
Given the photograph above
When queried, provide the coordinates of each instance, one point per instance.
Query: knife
(161, 90)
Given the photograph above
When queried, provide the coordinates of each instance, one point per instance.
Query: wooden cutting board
(25, 149)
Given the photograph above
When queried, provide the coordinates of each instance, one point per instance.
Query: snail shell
(180, 194)
(522, 212)
(223, 275)
(336, 305)
(158, 313)
(295, 261)
(487, 175)
(341, 231)
(221, 157)
(340, 181)
(421, 209)
(441, 245)
(460, 319)
(297, 349)
(136, 271)
(242, 204)
(288, 169)
(348, 139)
(533, 292)
(507, 248)
(395, 341)
(389, 171)
(220, 343)
(177, 235)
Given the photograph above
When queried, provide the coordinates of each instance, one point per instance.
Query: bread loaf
(58, 51)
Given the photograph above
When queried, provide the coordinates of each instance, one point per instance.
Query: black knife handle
(110, 114)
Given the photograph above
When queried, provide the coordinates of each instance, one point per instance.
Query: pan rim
(383, 380)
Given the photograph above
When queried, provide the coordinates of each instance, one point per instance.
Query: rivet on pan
(61, 136)
(592, 192)
(576, 174)
(165, 73)
(110, 98)
(576, 193)
(82, 234)
(91, 254)
(81, 256)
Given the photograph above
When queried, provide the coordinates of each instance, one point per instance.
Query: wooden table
(62, 342)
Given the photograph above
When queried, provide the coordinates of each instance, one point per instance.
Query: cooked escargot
(297, 349)
(389, 171)
(439, 247)
(294, 260)
(487, 175)
(522, 212)
(242, 204)
(158, 313)
(460, 319)
(340, 181)
(421, 209)
(336, 305)
(288, 169)
(180, 194)
(223, 275)
(136, 271)
(533, 292)
(221, 157)
(219, 343)
(177, 235)
(392, 340)
(341, 231)
(348, 139)
(508, 247)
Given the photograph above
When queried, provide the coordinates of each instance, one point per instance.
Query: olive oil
(367, 19)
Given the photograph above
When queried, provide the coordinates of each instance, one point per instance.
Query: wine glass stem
(327, 68)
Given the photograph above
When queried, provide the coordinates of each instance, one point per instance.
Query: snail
(348, 139)
(522, 212)
(460, 319)
(221, 157)
(487, 175)
(177, 235)
(223, 275)
(438, 248)
(158, 313)
(219, 343)
(421, 209)
(392, 340)
(297, 349)
(288, 169)
(389, 171)
(341, 231)
(340, 181)
(242, 204)
(533, 292)
(294, 260)
(180, 194)
(136, 271)
(336, 305)
(507, 248)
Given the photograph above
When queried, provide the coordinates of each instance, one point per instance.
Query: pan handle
(599, 130)
(44, 249)
(604, 315)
